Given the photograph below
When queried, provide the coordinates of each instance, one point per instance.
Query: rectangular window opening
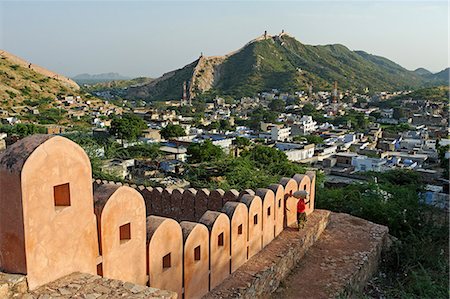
(166, 261)
(255, 219)
(220, 240)
(125, 232)
(268, 211)
(240, 229)
(197, 253)
(61, 195)
(279, 203)
(100, 269)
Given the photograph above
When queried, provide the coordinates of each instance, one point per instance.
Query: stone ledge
(262, 274)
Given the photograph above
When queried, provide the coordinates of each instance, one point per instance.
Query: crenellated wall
(187, 241)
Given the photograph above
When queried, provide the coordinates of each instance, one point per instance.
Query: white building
(364, 163)
(305, 126)
(295, 151)
(280, 134)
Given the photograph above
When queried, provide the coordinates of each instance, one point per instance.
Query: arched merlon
(268, 215)
(165, 254)
(218, 225)
(121, 223)
(237, 212)
(215, 200)
(196, 259)
(254, 235)
(312, 193)
(47, 222)
(278, 190)
(290, 186)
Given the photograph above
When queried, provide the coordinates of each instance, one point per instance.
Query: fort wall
(54, 220)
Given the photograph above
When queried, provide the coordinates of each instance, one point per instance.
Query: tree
(398, 113)
(310, 139)
(204, 152)
(129, 127)
(22, 130)
(224, 125)
(308, 109)
(277, 105)
(171, 131)
(145, 151)
(241, 142)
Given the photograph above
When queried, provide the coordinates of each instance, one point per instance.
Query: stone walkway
(261, 275)
(86, 286)
(340, 263)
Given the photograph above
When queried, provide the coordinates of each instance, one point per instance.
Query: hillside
(283, 63)
(21, 81)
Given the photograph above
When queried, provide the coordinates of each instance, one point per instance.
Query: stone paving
(79, 285)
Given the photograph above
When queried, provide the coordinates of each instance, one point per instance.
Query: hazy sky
(148, 38)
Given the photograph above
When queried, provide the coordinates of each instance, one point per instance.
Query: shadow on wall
(52, 223)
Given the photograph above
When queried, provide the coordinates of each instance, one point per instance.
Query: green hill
(21, 81)
(286, 64)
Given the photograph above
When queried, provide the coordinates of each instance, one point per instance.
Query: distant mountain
(422, 72)
(283, 63)
(21, 80)
(441, 77)
(96, 78)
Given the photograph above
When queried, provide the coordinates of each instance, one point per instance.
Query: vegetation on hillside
(18, 84)
(286, 64)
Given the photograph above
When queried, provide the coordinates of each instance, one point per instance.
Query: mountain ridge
(281, 62)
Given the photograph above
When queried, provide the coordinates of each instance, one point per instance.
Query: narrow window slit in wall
(61, 195)
(197, 253)
(100, 269)
(125, 232)
(220, 240)
(166, 261)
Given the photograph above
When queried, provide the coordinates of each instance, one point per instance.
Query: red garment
(301, 207)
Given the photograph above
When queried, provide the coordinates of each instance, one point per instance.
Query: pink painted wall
(164, 237)
(218, 225)
(57, 240)
(196, 259)
(290, 186)
(254, 236)
(122, 259)
(278, 191)
(238, 214)
(268, 215)
(312, 193)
